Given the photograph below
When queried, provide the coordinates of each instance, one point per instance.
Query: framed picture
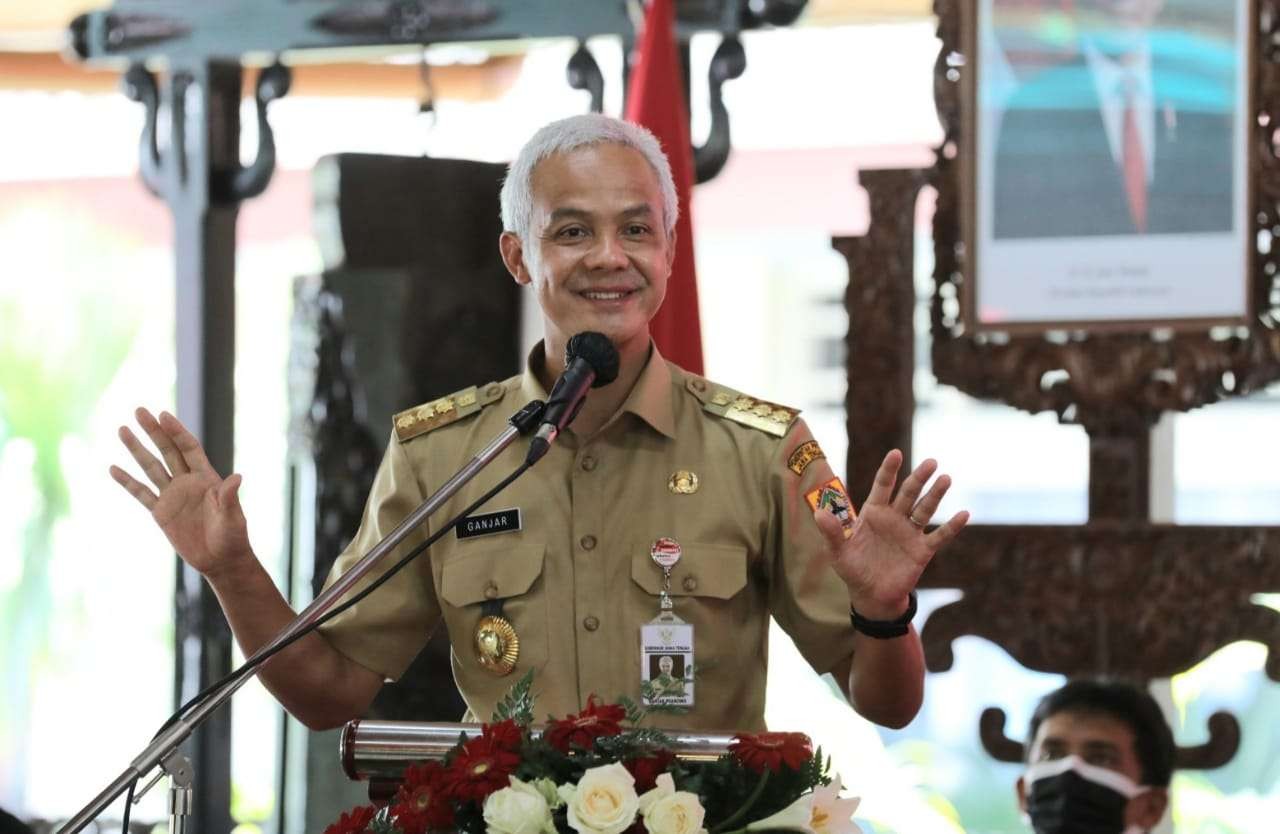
(1107, 163)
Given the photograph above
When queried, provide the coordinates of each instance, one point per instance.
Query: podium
(377, 752)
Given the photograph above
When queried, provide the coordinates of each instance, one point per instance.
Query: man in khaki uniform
(557, 573)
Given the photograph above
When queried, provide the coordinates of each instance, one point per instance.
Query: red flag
(655, 99)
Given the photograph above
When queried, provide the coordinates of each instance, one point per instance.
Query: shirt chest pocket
(707, 590)
(488, 574)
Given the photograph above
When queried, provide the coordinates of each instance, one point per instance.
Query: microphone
(591, 360)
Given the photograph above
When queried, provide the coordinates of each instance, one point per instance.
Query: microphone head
(597, 351)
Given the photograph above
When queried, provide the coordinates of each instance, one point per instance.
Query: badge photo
(666, 664)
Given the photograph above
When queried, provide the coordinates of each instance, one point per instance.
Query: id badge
(666, 663)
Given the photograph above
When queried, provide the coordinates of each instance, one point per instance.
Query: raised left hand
(888, 546)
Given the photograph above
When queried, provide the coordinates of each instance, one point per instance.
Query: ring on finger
(915, 522)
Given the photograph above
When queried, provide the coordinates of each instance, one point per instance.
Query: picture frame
(1106, 164)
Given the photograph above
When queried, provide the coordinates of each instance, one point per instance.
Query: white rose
(603, 802)
(669, 811)
(664, 785)
(519, 809)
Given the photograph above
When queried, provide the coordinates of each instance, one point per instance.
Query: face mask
(1071, 796)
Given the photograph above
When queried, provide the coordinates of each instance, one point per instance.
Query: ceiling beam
(467, 82)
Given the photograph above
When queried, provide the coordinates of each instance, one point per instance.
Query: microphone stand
(162, 750)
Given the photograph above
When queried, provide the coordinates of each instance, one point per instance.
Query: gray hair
(567, 135)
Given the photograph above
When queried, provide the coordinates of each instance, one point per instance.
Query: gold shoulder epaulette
(758, 414)
(423, 418)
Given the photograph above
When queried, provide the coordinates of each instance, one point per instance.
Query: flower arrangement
(602, 772)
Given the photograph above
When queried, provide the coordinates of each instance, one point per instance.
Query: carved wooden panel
(1113, 596)
(325, 425)
(1118, 595)
(880, 399)
(1224, 741)
(1134, 599)
(1106, 598)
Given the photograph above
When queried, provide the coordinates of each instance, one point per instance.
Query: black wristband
(885, 629)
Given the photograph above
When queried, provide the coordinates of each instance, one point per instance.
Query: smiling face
(597, 255)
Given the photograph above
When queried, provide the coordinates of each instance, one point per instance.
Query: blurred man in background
(1099, 761)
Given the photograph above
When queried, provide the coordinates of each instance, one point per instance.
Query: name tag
(499, 521)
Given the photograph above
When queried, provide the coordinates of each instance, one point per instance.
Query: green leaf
(517, 704)
(381, 823)
(636, 743)
(636, 714)
(747, 804)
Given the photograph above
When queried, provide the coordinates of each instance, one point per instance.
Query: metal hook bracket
(728, 63)
(584, 74)
(251, 180)
(427, 102)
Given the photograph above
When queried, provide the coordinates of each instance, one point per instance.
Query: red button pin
(666, 553)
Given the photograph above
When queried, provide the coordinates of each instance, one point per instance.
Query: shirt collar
(1117, 86)
(650, 398)
(1113, 77)
(530, 387)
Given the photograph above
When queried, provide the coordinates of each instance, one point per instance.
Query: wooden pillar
(1119, 473)
(880, 402)
(194, 177)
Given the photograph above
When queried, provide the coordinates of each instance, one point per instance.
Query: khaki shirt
(578, 579)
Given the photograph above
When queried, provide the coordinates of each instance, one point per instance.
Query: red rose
(354, 821)
(598, 719)
(770, 751)
(480, 768)
(646, 768)
(421, 803)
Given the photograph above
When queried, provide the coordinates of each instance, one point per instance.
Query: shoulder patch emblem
(423, 418)
(805, 454)
(768, 417)
(834, 498)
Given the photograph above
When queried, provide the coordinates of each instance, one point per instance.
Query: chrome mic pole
(168, 740)
(181, 798)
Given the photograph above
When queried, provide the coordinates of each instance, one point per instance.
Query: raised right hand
(197, 509)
